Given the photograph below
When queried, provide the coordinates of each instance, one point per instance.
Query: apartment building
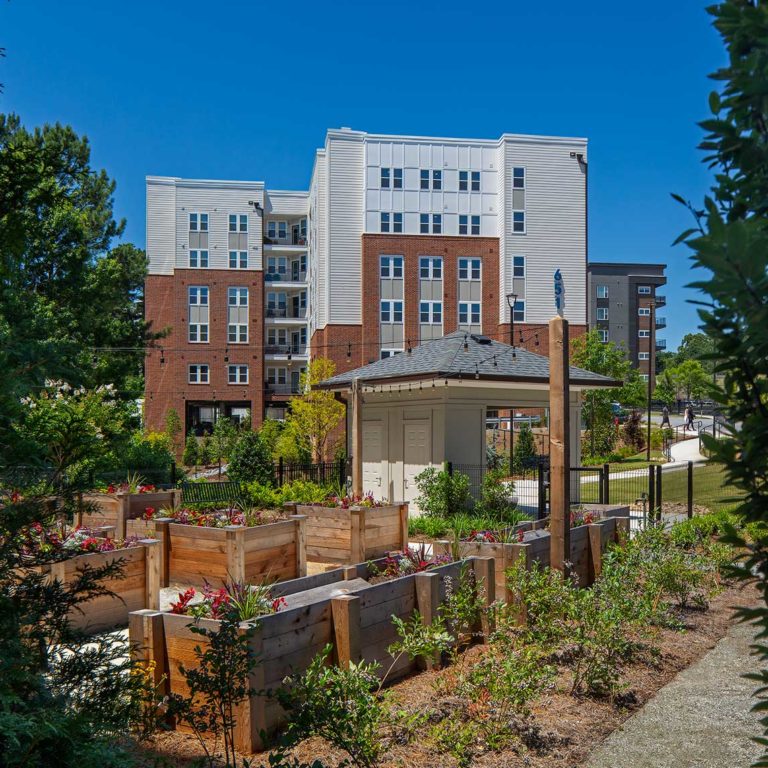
(620, 298)
(399, 240)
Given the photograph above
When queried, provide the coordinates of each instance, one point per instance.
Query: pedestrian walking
(689, 418)
(665, 417)
(686, 418)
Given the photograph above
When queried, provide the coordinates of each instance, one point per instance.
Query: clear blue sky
(246, 90)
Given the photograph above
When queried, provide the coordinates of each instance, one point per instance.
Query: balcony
(285, 279)
(284, 313)
(281, 389)
(286, 351)
(661, 344)
(661, 322)
(661, 301)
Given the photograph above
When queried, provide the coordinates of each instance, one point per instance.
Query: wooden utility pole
(357, 438)
(559, 445)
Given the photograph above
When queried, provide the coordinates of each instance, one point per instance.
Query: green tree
(173, 427)
(691, 377)
(525, 446)
(251, 460)
(729, 244)
(223, 440)
(696, 346)
(665, 390)
(191, 455)
(206, 451)
(270, 432)
(317, 413)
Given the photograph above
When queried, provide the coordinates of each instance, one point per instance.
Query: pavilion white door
(417, 454)
(373, 459)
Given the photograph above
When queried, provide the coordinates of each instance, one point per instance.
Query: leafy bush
(300, 491)
(442, 494)
(632, 431)
(251, 461)
(191, 455)
(525, 447)
(206, 451)
(496, 496)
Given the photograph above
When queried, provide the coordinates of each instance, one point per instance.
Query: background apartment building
(399, 240)
(620, 297)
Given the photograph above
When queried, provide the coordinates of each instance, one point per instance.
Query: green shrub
(525, 446)
(496, 496)
(191, 455)
(251, 461)
(206, 451)
(442, 494)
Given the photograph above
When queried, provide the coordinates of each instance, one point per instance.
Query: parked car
(618, 412)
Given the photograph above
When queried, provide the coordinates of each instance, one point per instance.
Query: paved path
(699, 720)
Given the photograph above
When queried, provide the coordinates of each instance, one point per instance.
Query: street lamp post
(511, 301)
(651, 370)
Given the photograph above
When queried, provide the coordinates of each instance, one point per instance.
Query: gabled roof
(462, 355)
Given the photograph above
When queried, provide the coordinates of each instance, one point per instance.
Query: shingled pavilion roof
(461, 355)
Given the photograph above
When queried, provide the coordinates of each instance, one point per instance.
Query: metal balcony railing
(287, 313)
(661, 343)
(284, 277)
(281, 389)
(661, 301)
(285, 349)
(661, 322)
(302, 241)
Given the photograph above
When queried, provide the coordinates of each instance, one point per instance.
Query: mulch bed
(563, 731)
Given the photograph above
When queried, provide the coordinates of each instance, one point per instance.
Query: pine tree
(191, 455)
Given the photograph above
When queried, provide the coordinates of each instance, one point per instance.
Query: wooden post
(595, 552)
(522, 553)
(350, 572)
(559, 445)
(153, 570)
(357, 534)
(485, 579)
(236, 552)
(301, 544)
(346, 628)
(163, 533)
(623, 528)
(357, 438)
(147, 640)
(403, 527)
(250, 718)
(427, 603)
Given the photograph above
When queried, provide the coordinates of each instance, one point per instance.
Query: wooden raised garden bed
(354, 534)
(337, 607)
(138, 587)
(588, 543)
(117, 508)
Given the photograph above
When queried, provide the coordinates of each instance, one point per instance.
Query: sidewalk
(701, 719)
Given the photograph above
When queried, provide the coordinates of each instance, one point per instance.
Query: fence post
(607, 481)
(542, 493)
(345, 610)
(658, 493)
(342, 478)
(449, 467)
(173, 473)
(280, 470)
(428, 602)
(690, 490)
(651, 491)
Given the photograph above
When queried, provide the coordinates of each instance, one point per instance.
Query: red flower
(181, 605)
(91, 544)
(149, 513)
(520, 535)
(15, 497)
(278, 603)
(111, 488)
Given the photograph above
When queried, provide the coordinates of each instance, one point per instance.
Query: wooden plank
(147, 642)
(346, 629)
(357, 537)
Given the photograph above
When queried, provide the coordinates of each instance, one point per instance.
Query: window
(237, 374)
(602, 313)
(238, 259)
(391, 177)
(198, 222)
(469, 225)
(277, 230)
(277, 376)
(392, 266)
(518, 312)
(397, 222)
(469, 269)
(518, 222)
(475, 178)
(436, 176)
(424, 179)
(602, 334)
(198, 259)
(430, 268)
(391, 311)
(518, 178)
(424, 223)
(276, 303)
(644, 311)
(643, 356)
(238, 222)
(277, 266)
(198, 314)
(385, 353)
(469, 313)
(644, 334)
(277, 337)
(463, 181)
(198, 374)
(644, 376)
(469, 180)
(645, 290)
(437, 179)
(463, 228)
(437, 223)
(384, 222)
(237, 297)
(518, 266)
(237, 320)
(602, 291)
(385, 178)
(431, 312)
(397, 178)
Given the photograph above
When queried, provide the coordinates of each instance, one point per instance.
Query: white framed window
(391, 266)
(198, 222)
(469, 225)
(470, 269)
(277, 376)
(397, 222)
(602, 334)
(237, 333)
(469, 181)
(518, 222)
(277, 266)
(518, 266)
(436, 221)
(424, 179)
(518, 312)
(643, 355)
(392, 312)
(384, 221)
(277, 230)
(198, 295)
(198, 259)
(602, 313)
(238, 259)
(385, 178)
(391, 178)
(237, 374)
(437, 179)
(644, 311)
(469, 313)
(431, 312)
(238, 222)
(389, 352)
(644, 376)
(602, 291)
(431, 268)
(644, 290)
(435, 176)
(277, 337)
(518, 178)
(198, 314)
(644, 334)
(276, 304)
(237, 297)
(397, 178)
(197, 373)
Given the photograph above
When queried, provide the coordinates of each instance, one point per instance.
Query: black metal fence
(333, 473)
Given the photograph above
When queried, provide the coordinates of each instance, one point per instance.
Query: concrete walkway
(701, 719)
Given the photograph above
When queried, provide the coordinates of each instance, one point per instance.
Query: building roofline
(625, 264)
(288, 192)
(177, 181)
(514, 138)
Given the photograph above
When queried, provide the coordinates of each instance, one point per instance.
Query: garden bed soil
(567, 728)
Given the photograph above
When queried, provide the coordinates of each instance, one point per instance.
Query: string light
(477, 373)
(466, 344)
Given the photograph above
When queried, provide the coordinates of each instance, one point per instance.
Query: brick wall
(529, 331)
(166, 301)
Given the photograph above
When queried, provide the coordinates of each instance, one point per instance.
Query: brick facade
(529, 331)
(166, 307)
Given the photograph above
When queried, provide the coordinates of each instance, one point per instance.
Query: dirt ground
(563, 730)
